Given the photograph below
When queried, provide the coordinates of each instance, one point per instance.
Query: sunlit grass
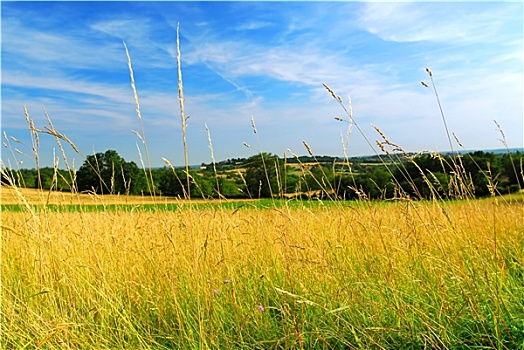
(405, 275)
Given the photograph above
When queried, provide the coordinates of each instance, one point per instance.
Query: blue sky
(266, 60)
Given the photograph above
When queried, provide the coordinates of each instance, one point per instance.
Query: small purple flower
(72, 304)
(260, 308)
(227, 281)
(216, 292)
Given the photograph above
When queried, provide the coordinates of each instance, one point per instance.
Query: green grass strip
(233, 205)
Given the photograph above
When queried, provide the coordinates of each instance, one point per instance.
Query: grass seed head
(335, 96)
(308, 148)
(457, 139)
(382, 148)
(253, 125)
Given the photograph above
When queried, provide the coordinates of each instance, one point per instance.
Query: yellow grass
(107, 279)
(13, 196)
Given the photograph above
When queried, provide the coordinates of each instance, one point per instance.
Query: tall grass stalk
(430, 73)
(142, 135)
(520, 179)
(210, 141)
(345, 142)
(255, 131)
(72, 179)
(182, 114)
(327, 188)
(35, 144)
(352, 122)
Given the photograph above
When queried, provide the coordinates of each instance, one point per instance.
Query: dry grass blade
(210, 141)
(133, 85)
(440, 108)
(457, 139)
(72, 182)
(255, 131)
(181, 102)
(142, 136)
(53, 132)
(520, 179)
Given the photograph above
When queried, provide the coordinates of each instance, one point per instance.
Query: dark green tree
(229, 188)
(173, 183)
(109, 173)
(292, 183)
(512, 171)
(201, 185)
(379, 183)
(263, 172)
(26, 178)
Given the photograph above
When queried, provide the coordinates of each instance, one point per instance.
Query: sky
(260, 61)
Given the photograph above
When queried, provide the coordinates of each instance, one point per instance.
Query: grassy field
(357, 275)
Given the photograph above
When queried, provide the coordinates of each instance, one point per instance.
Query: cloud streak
(447, 22)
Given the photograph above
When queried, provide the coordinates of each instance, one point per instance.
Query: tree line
(265, 175)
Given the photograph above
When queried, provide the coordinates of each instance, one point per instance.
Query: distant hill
(235, 163)
(496, 151)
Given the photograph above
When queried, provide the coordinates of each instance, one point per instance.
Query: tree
(110, 173)
(170, 182)
(263, 174)
(173, 182)
(201, 185)
(512, 171)
(228, 188)
(380, 183)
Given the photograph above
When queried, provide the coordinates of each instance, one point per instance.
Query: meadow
(88, 271)
(355, 275)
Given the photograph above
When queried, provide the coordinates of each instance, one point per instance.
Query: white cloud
(253, 25)
(35, 49)
(438, 22)
(67, 85)
(124, 29)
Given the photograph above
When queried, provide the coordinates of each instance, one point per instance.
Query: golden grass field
(407, 274)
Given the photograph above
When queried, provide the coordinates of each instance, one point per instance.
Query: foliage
(110, 173)
(476, 174)
(263, 172)
(172, 182)
(44, 178)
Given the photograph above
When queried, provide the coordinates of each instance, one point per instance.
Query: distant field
(10, 195)
(17, 199)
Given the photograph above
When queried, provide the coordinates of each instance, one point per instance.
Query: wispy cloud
(442, 22)
(253, 25)
(35, 49)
